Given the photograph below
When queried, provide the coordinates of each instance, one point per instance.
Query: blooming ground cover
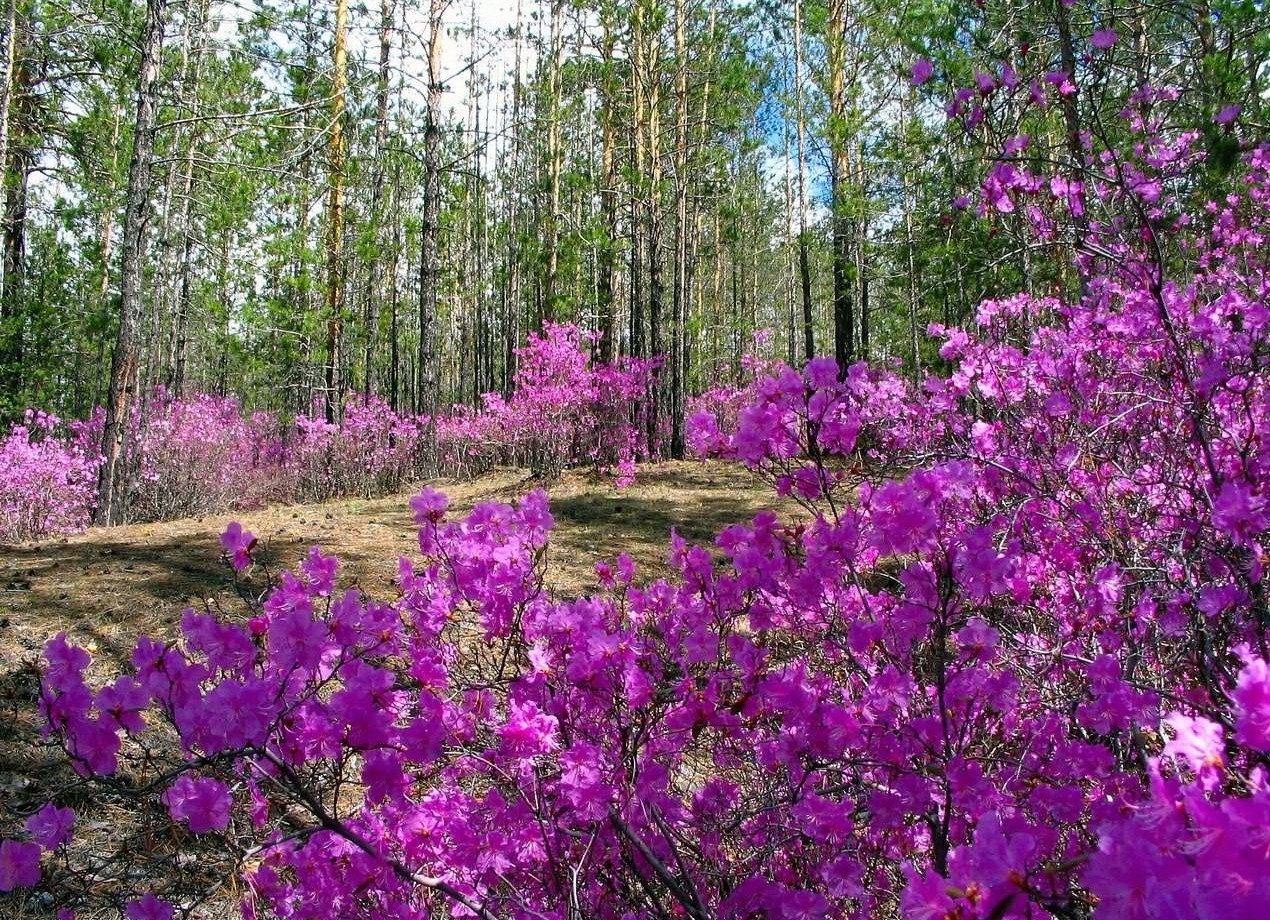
(204, 454)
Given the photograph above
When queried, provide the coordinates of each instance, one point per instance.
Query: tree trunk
(12, 334)
(190, 80)
(123, 364)
(648, 78)
(1071, 121)
(105, 249)
(551, 213)
(608, 268)
(8, 56)
(375, 296)
(335, 215)
(839, 112)
(682, 277)
(804, 243)
(429, 265)
(15, 169)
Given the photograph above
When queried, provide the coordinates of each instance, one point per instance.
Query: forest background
(295, 202)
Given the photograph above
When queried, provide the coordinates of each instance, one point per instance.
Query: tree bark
(190, 78)
(123, 364)
(429, 264)
(839, 111)
(335, 215)
(682, 276)
(608, 268)
(15, 170)
(375, 296)
(804, 243)
(551, 212)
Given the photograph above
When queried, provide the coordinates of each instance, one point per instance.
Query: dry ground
(105, 587)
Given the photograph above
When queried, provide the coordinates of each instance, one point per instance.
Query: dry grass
(106, 587)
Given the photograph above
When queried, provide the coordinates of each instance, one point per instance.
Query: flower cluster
(202, 453)
(1015, 665)
(565, 410)
(47, 483)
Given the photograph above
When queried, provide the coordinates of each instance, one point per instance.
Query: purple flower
(1104, 39)
(922, 71)
(1227, 116)
(50, 827)
(238, 544)
(1239, 512)
(320, 571)
(1197, 742)
(19, 864)
(202, 802)
(429, 505)
(1252, 705)
(529, 730)
(148, 907)
(1017, 144)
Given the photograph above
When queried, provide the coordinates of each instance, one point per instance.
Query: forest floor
(106, 587)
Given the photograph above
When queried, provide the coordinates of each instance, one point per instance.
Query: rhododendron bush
(1013, 664)
(202, 453)
(564, 411)
(46, 484)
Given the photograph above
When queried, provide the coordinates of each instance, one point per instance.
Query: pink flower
(1197, 742)
(124, 701)
(582, 782)
(429, 505)
(1104, 39)
(320, 571)
(1228, 115)
(1061, 79)
(922, 71)
(383, 776)
(148, 907)
(1239, 512)
(94, 746)
(1017, 144)
(821, 372)
(19, 864)
(238, 544)
(200, 801)
(51, 826)
(529, 730)
(803, 905)
(1252, 705)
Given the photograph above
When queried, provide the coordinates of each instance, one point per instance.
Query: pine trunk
(335, 216)
(123, 364)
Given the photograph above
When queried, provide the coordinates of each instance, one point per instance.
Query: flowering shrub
(47, 485)
(202, 454)
(197, 455)
(1015, 666)
(370, 451)
(564, 410)
(723, 400)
